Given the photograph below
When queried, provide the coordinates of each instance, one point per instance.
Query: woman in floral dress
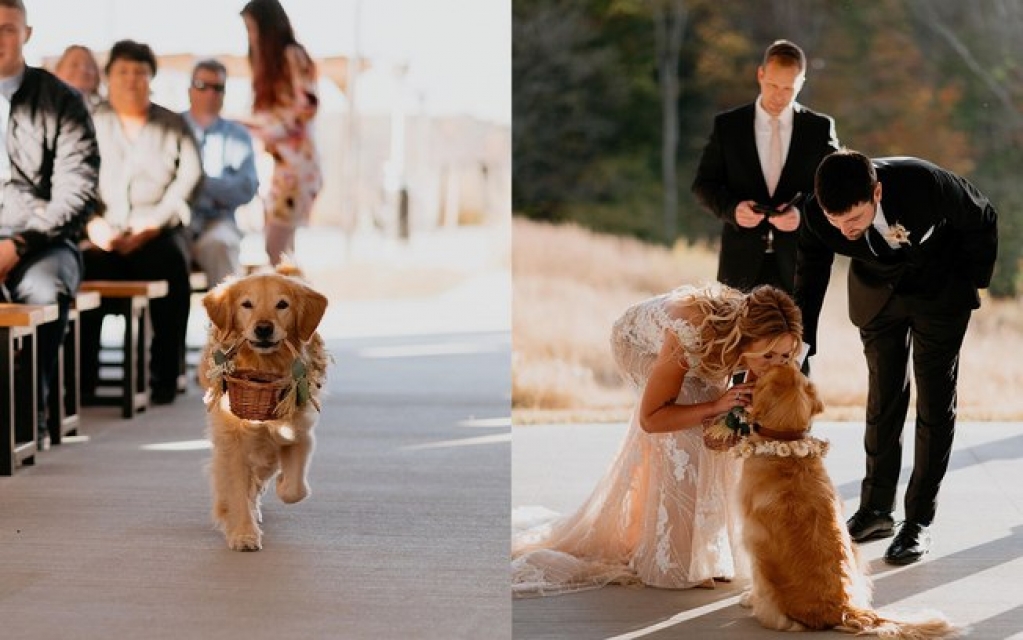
(285, 100)
(662, 515)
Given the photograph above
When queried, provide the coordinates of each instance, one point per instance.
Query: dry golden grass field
(570, 284)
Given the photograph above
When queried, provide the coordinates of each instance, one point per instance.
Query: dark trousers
(934, 340)
(770, 274)
(50, 276)
(165, 257)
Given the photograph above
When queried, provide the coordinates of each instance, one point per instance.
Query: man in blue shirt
(229, 168)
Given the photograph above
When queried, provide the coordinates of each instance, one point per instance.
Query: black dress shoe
(912, 542)
(867, 524)
(163, 394)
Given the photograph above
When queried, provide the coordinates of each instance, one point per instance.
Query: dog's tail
(924, 626)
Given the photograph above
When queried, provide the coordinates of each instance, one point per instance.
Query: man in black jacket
(922, 242)
(763, 154)
(49, 166)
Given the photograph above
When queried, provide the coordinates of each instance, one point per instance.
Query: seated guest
(48, 172)
(77, 66)
(149, 172)
(228, 161)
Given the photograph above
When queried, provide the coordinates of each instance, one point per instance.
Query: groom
(922, 241)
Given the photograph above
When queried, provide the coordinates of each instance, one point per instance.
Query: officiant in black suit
(763, 153)
(922, 242)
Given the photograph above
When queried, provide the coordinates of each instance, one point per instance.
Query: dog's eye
(247, 304)
(282, 304)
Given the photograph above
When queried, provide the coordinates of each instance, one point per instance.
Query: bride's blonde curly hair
(731, 321)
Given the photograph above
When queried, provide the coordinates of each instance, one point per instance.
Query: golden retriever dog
(806, 573)
(263, 323)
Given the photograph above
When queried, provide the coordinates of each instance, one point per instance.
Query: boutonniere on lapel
(898, 234)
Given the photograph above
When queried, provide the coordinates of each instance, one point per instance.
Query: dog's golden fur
(806, 572)
(267, 319)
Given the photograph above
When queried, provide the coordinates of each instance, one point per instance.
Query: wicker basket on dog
(715, 441)
(254, 394)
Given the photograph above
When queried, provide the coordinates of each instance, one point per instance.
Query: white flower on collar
(808, 447)
(898, 234)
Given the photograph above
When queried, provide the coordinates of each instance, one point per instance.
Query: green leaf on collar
(302, 392)
(219, 357)
(298, 369)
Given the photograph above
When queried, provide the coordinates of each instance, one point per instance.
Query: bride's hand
(740, 395)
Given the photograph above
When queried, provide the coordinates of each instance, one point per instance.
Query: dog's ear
(218, 306)
(311, 307)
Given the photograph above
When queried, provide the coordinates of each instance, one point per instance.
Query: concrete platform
(404, 536)
(974, 573)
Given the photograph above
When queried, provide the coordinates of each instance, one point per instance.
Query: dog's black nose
(264, 330)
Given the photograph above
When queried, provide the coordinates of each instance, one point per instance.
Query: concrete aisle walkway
(974, 573)
(405, 535)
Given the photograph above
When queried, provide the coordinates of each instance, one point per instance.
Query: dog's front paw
(291, 492)
(245, 541)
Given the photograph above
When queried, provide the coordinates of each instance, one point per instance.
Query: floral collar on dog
(296, 394)
(808, 447)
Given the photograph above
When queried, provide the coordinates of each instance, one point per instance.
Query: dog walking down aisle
(262, 368)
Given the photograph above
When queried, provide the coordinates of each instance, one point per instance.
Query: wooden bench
(65, 402)
(128, 298)
(19, 413)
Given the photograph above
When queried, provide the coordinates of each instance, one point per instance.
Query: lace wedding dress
(662, 515)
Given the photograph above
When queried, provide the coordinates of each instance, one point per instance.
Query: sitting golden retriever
(806, 572)
(264, 323)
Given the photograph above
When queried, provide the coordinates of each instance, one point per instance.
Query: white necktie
(774, 160)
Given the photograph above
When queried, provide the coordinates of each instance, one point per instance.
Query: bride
(662, 516)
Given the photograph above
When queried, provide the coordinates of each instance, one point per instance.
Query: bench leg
(27, 408)
(55, 402)
(131, 371)
(63, 404)
(72, 361)
(145, 341)
(136, 358)
(18, 420)
(7, 432)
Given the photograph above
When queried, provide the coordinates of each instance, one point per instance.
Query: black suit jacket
(729, 172)
(949, 256)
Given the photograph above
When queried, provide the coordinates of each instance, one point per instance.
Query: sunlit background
(416, 95)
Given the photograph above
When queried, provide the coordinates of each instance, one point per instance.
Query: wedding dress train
(662, 515)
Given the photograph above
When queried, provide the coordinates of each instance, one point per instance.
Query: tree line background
(613, 100)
